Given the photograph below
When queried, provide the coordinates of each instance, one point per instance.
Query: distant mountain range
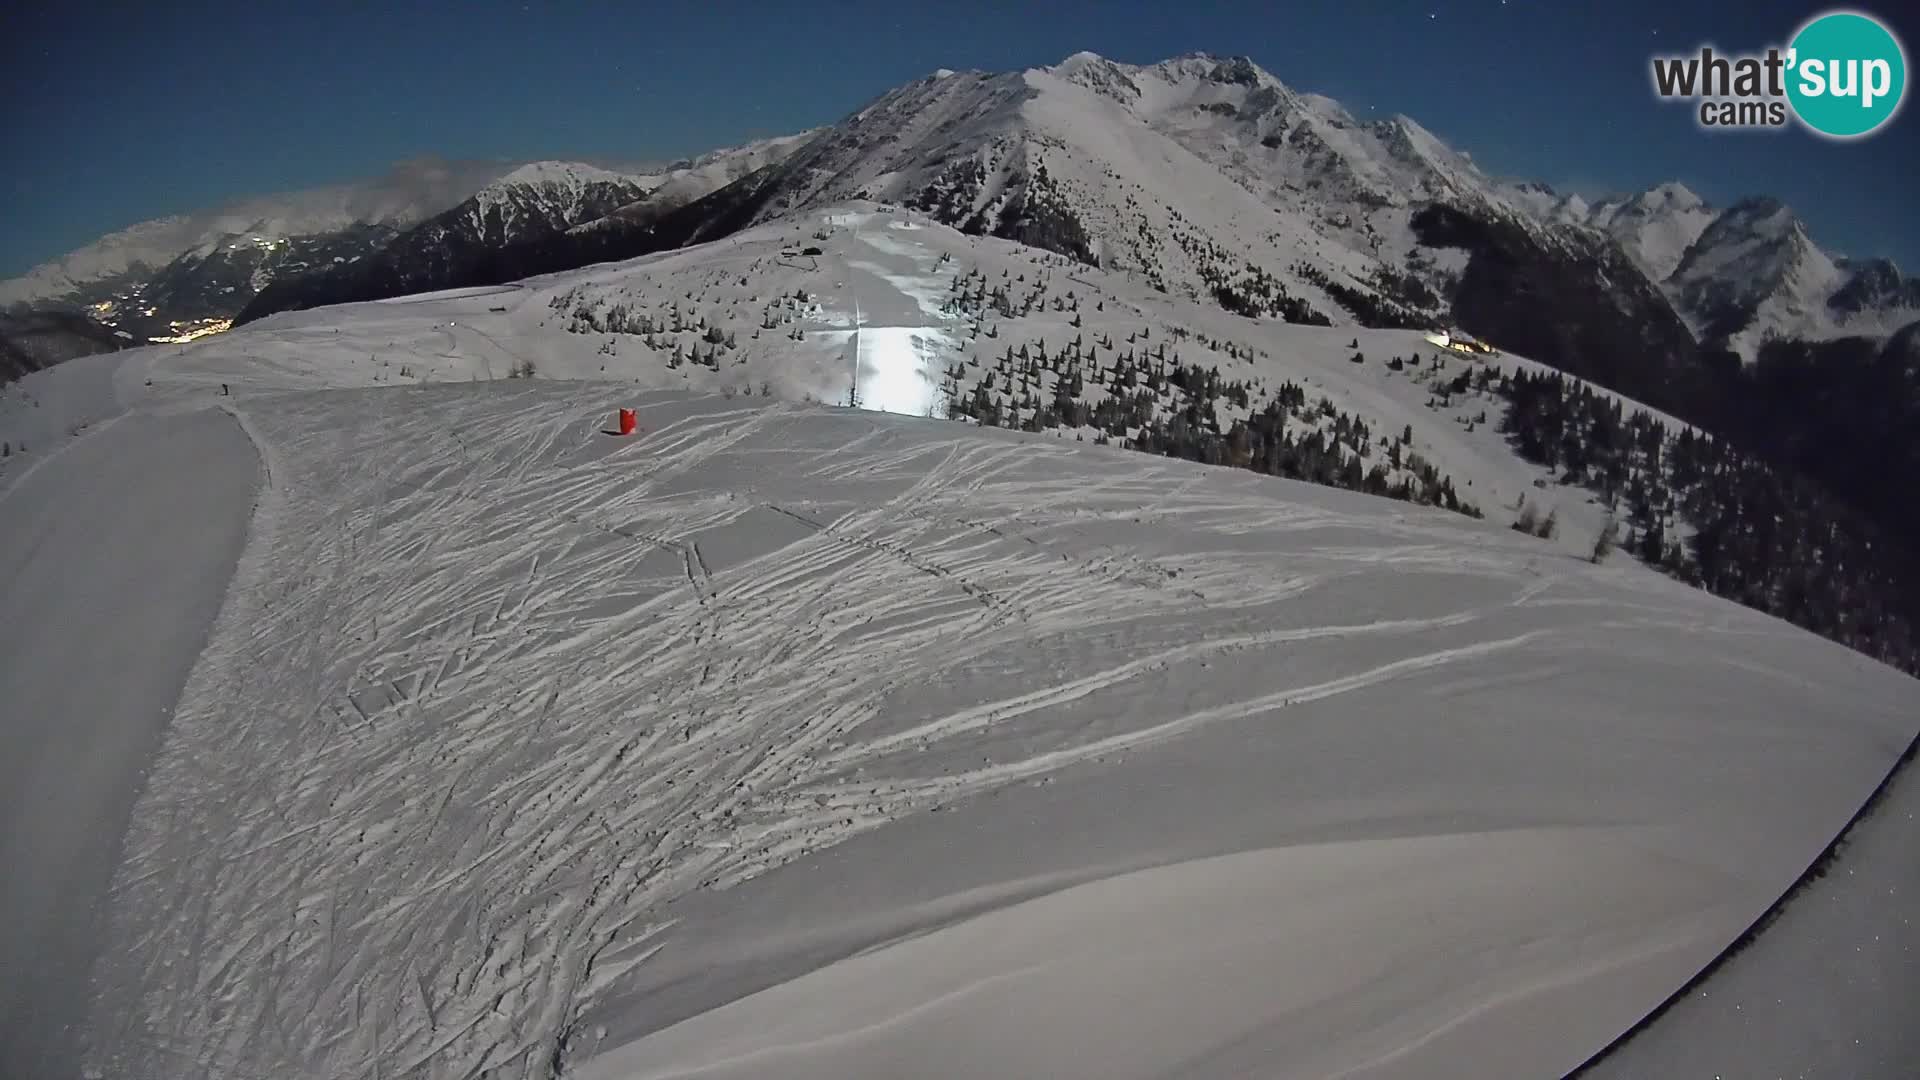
(1204, 176)
(180, 276)
(1751, 273)
(194, 268)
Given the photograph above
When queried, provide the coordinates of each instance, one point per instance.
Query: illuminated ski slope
(894, 273)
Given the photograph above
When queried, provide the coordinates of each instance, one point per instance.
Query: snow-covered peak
(1762, 217)
(1326, 108)
(1183, 75)
(1655, 227)
(1875, 298)
(1077, 63)
(1099, 74)
(1754, 273)
(556, 193)
(1672, 197)
(547, 196)
(1405, 137)
(1201, 67)
(1758, 237)
(737, 158)
(1542, 201)
(684, 181)
(564, 174)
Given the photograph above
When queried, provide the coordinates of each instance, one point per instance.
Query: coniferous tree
(1529, 520)
(1603, 544)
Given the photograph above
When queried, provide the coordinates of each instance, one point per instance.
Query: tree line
(1721, 518)
(1145, 401)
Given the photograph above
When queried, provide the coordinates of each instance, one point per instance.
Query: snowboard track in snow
(490, 693)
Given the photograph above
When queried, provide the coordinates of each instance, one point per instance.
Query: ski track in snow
(491, 688)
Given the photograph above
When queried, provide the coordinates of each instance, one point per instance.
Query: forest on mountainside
(1718, 517)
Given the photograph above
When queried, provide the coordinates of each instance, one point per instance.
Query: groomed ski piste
(788, 739)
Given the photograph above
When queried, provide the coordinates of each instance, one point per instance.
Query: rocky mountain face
(1753, 269)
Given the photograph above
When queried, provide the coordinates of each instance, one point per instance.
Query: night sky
(118, 113)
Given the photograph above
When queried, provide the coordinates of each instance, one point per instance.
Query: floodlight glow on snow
(896, 370)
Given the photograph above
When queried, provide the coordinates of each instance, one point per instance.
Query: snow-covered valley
(790, 739)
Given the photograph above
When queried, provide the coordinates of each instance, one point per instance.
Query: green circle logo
(1846, 74)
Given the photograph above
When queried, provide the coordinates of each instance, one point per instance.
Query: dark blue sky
(118, 113)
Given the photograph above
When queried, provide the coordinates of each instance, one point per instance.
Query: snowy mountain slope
(684, 181)
(1307, 152)
(986, 330)
(1040, 158)
(1301, 156)
(536, 722)
(1207, 177)
(563, 184)
(729, 316)
(1304, 152)
(983, 329)
(1210, 178)
(1656, 227)
(1875, 293)
(1753, 274)
(518, 746)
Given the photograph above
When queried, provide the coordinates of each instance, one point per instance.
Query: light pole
(846, 275)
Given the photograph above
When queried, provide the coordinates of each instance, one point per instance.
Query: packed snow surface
(1827, 990)
(784, 739)
(117, 551)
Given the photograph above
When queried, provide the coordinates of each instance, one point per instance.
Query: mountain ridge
(1207, 175)
(193, 273)
(408, 192)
